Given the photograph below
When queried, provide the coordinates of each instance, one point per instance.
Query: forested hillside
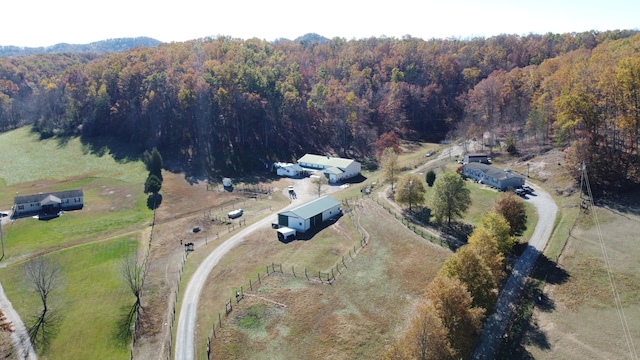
(104, 46)
(223, 102)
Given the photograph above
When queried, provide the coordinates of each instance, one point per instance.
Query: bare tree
(132, 270)
(43, 275)
(319, 182)
(390, 167)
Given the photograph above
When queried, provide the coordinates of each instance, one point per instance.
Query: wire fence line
(328, 276)
(450, 243)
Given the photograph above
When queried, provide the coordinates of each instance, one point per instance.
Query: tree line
(230, 103)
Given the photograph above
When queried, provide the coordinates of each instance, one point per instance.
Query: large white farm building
(334, 168)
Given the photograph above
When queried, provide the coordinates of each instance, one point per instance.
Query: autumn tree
(451, 197)
(318, 184)
(5, 325)
(410, 191)
(390, 166)
(467, 266)
(486, 246)
(499, 228)
(387, 140)
(426, 339)
(5, 345)
(512, 208)
(462, 320)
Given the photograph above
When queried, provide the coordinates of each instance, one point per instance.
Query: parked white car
(235, 214)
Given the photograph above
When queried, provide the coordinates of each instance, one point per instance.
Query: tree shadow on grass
(127, 318)
(43, 329)
(524, 331)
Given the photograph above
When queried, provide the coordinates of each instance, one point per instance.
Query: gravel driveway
(185, 333)
(496, 324)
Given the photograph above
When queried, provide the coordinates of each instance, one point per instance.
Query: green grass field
(87, 244)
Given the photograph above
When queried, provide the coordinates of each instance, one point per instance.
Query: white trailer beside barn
(310, 214)
(288, 169)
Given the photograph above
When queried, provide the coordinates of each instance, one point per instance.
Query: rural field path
(20, 337)
(185, 333)
(496, 324)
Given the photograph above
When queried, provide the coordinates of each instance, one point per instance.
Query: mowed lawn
(88, 244)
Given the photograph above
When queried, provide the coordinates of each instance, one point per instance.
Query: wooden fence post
(305, 273)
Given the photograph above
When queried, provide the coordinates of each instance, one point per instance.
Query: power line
(616, 296)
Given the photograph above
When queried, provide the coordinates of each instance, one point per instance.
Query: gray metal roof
(26, 199)
(312, 208)
(491, 171)
(326, 161)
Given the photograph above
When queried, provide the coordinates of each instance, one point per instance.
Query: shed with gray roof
(310, 214)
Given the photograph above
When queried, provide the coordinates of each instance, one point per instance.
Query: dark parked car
(528, 189)
(521, 192)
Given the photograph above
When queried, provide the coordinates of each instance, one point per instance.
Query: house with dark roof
(475, 157)
(310, 214)
(334, 168)
(48, 203)
(487, 174)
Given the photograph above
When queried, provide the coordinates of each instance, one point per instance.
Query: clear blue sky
(48, 22)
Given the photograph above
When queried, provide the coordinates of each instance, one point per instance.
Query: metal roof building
(335, 169)
(310, 214)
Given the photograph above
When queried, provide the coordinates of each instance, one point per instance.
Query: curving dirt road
(496, 324)
(185, 333)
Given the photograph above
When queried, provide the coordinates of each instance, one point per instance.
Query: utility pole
(1, 240)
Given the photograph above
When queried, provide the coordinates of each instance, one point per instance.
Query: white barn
(486, 174)
(49, 203)
(310, 214)
(335, 169)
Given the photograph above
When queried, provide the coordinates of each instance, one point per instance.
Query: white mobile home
(310, 214)
(48, 203)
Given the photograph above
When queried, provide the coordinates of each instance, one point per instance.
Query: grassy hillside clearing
(87, 244)
(581, 320)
